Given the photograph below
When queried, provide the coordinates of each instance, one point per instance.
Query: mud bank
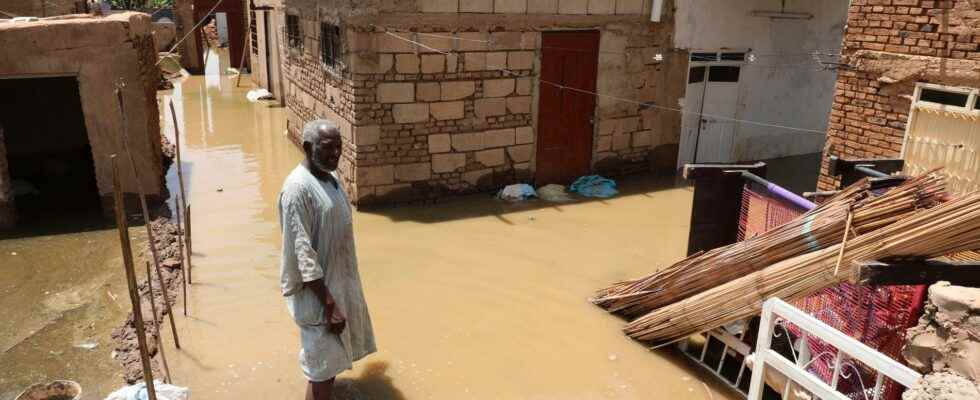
(948, 334)
(126, 346)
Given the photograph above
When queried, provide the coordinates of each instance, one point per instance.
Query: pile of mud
(943, 386)
(947, 337)
(126, 345)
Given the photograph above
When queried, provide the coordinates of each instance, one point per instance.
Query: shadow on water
(484, 205)
(372, 383)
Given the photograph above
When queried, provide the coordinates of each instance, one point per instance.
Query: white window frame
(969, 111)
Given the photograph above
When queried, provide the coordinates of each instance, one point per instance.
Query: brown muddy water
(470, 299)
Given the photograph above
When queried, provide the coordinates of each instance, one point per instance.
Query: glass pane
(724, 74)
(943, 97)
(697, 75)
(704, 56)
(733, 56)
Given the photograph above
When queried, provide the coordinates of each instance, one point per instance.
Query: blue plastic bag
(594, 186)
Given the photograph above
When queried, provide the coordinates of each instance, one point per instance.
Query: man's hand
(336, 320)
(332, 315)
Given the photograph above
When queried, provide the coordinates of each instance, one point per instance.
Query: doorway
(711, 105)
(565, 116)
(270, 86)
(50, 161)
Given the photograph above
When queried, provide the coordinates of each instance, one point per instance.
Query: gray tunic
(318, 242)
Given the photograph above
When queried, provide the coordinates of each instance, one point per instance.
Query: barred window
(331, 47)
(293, 33)
(254, 33)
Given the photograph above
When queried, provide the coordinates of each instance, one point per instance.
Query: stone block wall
(457, 113)
(890, 45)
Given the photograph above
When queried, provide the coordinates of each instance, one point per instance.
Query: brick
(433, 63)
(443, 163)
(520, 60)
(472, 41)
(447, 110)
(490, 107)
(542, 6)
(498, 87)
(452, 63)
(456, 90)
(629, 6)
(642, 139)
(491, 158)
(440, 143)
(511, 6)
(376, 175)
(476, 6)
(438, 6)
(410, 113)
(407, 64)
(428, 91)
(602, 7)
(468, 141)
(499, 138)
(400, 92)
(573, 6)
(413, 172)
(367, 135)
(603, 143)
(373, 63)
(520, 154)
(519, 105)
(391, 44)
(496, 61)
(524, 86)
(478, 177)
(525, 134)
(507, 40)
(440, 42)
(475, 61)
(621, 141)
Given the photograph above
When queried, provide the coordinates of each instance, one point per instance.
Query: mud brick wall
(314, 90)
(422, 125)
(890, 45)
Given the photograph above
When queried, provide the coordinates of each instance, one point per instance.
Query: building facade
(441, 97)
(910, 88)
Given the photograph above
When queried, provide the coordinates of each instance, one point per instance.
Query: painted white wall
(789, 89)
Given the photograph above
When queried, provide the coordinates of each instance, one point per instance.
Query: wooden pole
(127, 252)
(180, 205)
(142, 193)
(190, 242)
(153, 306)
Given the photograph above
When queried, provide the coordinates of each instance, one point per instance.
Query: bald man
(319, 266)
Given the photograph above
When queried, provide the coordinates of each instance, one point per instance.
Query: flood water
(472, 298)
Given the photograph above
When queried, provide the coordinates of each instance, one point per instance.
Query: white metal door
(711, 104)
(944, 131)
(720, 104)
(691, 123)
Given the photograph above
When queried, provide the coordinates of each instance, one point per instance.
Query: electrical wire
(641, 104)
(174, 48)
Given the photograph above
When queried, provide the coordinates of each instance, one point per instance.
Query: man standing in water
(319, 266)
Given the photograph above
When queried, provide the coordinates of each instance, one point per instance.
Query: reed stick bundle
(818, 229)
(945, 229)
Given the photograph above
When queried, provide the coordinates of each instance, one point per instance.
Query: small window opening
(293, 33)
(330, 46)
(724, 74)
(254, 33)
(944, 97)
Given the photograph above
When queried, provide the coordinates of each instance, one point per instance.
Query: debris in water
(87, 345)
(612, 357)
(221, 189)
(13, 253)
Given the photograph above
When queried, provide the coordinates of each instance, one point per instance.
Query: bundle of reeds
(855, 208)
(945, 229)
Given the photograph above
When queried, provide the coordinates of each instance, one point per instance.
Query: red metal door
(569, 64)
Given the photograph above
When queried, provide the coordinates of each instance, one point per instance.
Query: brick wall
(421, 124)
(890, 45)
